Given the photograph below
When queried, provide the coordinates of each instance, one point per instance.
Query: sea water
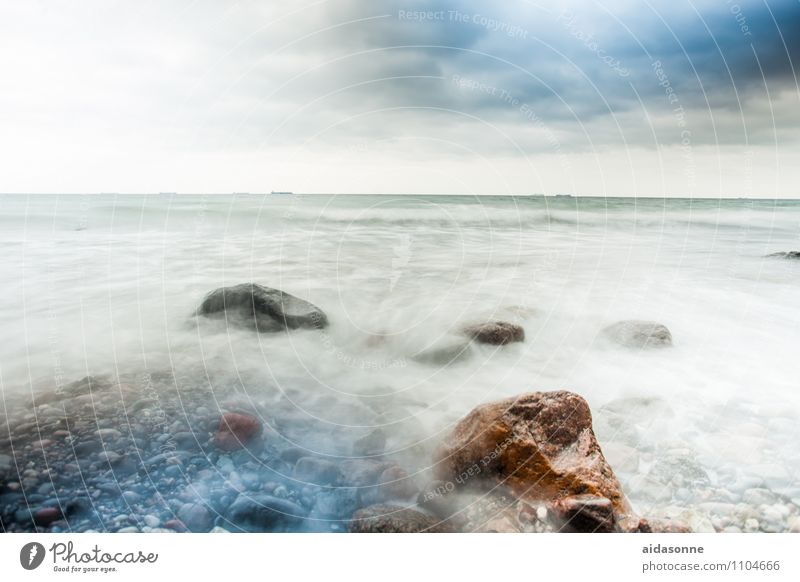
(107, 284)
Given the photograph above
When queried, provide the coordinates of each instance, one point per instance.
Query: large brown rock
(540, 445)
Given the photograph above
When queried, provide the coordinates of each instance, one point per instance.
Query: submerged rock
(444, 353)
(395, 519)
(314, 471)
(540, 445)
(87, 385)
(263, 513)
(195, 516)
(262, 308)
(785, 255)
(639, 334)
(395, 483)
(236, 431)
(371, 444)
(496, 333)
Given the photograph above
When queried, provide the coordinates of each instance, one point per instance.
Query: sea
(107, 284)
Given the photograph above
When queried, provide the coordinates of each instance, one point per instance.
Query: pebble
(46, 515)
(195, 516)
(751, 525)
(109, 457)
(175, 525)
(131, 497)
(759, 496)
(129, 529)
(173, 470)
(108, 433)
(151, 521)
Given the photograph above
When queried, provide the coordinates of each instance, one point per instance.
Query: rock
(361, 472)
(759, 496)
(131, 497)
(151, 521)
(262, 308)
(108, 433)
(336, 503)
(437, 498)
(394, 519)
(445, 353)
(87, 385)
(371, 444)
(496, 333)
(292, 454)
(539, 444)
(310, 470)
(5, 462)
(660, 526)
(395, 483)
(109, 457)
(236, 431)
(77, 507)
(785, 255)
(639, 334)
(676, 468)
(263, 513)
(187, 441)
(46, 516)
(86, 448)
(195, 516)
(584, 514)
(490, 513)
(175, 525)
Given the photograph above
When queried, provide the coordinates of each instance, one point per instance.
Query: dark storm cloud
(581, 68)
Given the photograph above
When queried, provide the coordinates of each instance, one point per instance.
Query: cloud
(176, 79)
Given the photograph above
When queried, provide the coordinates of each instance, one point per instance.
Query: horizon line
(287, 194)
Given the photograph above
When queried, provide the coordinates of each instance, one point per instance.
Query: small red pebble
(175, 524)
(236, 431)
(46, 516)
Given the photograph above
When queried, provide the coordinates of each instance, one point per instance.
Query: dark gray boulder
(639, 334)
(785, 255)
(262, 308)
(263, 513)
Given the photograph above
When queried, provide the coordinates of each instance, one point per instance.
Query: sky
(623, 98)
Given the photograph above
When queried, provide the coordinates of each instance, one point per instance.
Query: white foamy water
(107, 285)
